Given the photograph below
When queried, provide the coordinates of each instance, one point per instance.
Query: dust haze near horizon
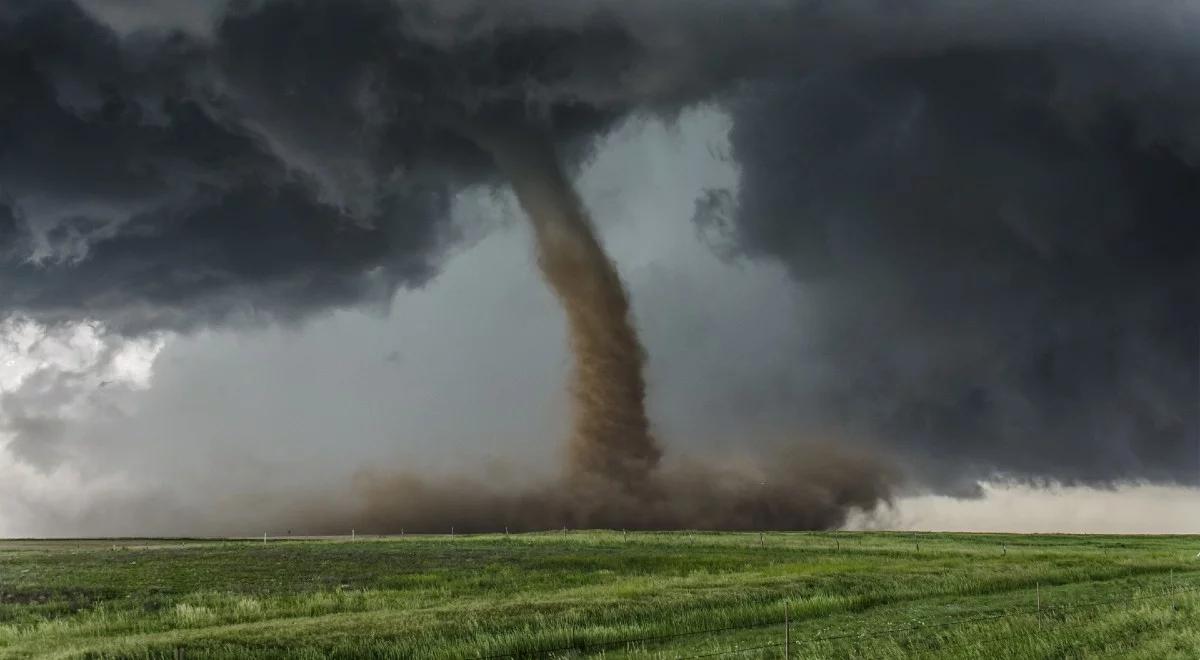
(1046, 509)
(235, 266)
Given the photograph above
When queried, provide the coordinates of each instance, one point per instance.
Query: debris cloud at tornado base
(806, 486)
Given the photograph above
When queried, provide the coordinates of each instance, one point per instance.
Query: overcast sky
(254, 251)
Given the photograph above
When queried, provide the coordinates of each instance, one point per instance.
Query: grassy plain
(579, 594)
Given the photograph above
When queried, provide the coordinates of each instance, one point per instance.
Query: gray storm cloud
(1006, 249)
(992, 205)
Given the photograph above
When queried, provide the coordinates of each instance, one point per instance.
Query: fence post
(787, 632)
(1038, 587)
(761, 543)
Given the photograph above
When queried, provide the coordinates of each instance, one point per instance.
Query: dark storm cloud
(1003, 244)
(303, 157)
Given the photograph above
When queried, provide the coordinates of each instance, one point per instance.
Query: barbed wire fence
(789, 645)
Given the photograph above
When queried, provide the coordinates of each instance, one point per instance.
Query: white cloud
(49, 377)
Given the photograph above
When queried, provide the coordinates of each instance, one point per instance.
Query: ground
(578, 594)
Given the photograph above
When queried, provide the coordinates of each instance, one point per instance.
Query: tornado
(611, 443)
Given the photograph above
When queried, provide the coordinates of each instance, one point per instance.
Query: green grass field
(579, 594)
